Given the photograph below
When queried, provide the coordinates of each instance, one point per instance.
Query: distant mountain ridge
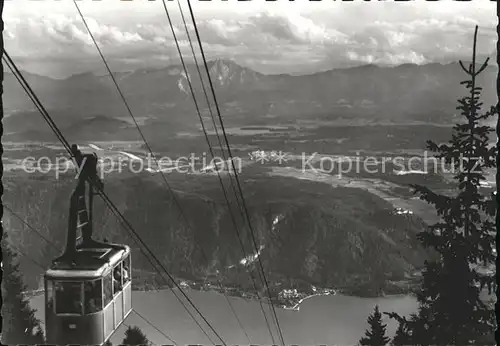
(404, 93)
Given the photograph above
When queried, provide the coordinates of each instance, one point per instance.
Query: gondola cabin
(89, 297)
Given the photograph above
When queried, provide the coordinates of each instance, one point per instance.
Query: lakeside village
(289, 299)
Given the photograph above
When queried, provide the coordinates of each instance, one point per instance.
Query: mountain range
(312, 233)
(161, 97)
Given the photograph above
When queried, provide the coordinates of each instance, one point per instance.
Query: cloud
(267, 41)
(292, 28)
(62, 36)
(420, 41)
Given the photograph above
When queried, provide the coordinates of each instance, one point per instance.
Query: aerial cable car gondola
(88, 289)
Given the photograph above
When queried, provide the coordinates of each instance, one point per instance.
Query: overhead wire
(33, 229)
(210, 148)
(108, 202)
(13, 213)
(49, 120)
(142, 135)
(155, 327)
(17, 74)
(204, 90)
(217, 171)
(235, 172)
(29, 257)
(136, 124)
(222, 151)
(129, 227)
(145, 141)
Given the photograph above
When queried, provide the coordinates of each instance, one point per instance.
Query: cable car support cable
(156, 328)
(43, 267)
(142, 135)
(108, 202)
(24, 84)
(30, 227)
(211, 150)
(203, 87)
(103, 195)
(235, 173)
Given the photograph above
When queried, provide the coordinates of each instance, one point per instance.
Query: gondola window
(108, 289)
(68, 297)
(93, 296)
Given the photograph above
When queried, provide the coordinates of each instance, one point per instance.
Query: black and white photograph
(266, 173)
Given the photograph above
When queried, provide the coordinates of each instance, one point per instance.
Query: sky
(48, 37)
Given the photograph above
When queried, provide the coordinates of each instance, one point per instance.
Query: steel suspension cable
(137, 125)
(24, 84)
(152, 325)
(211, 150)
(235, 173)
(130, 228)
(110, 204)
(42, 267)
(54, 246)
(12, 212)
(206, 95)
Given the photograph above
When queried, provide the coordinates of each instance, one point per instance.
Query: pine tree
(135, 336)
(376, 335)
(450, 309)
(19, 323)
(401, 336)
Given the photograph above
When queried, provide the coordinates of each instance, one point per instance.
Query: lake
(333, 320)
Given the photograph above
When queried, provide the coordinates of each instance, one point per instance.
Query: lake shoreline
(321, 320)
(290, 303)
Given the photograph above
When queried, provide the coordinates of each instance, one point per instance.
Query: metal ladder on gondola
(80, 215)
(84, 213)
(84, 216)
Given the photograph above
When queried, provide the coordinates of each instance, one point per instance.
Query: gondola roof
(89, 263)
